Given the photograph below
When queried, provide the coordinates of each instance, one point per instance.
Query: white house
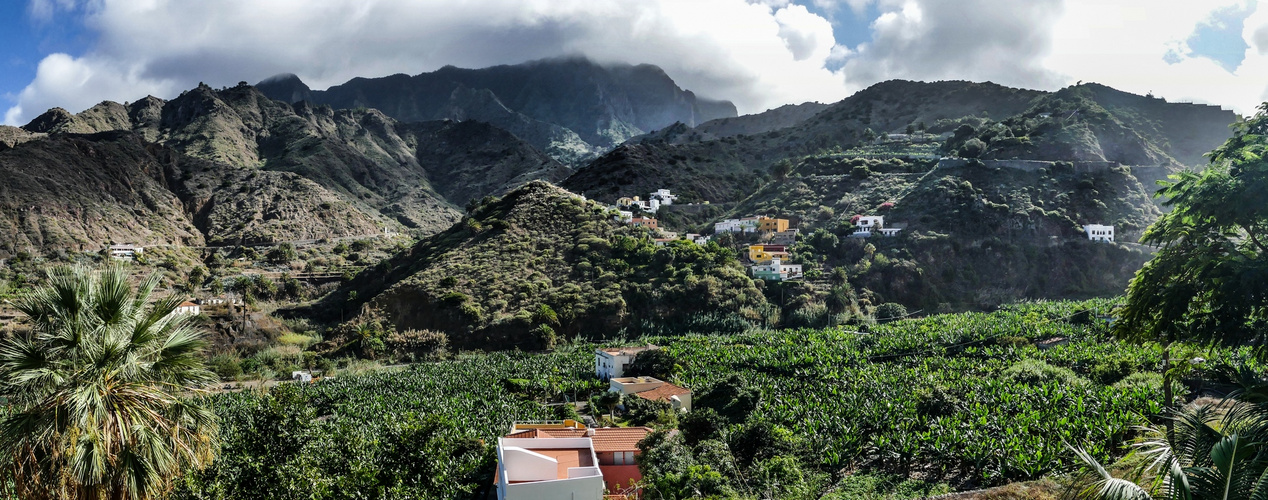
(776, 271)
(664, 197)
(867, 224)
(1097, 232)
(697, 238)
(743, 225)
(623, 216)
(125, 252)
(189, 308)
(548, 469)
(611, 362)
(653, 389)
(301, 376)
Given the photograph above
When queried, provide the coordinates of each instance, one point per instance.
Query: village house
(623, 216)
(548, 468)
(786, 237)
(646, 222)
(867, 225)
(125, 252)
(741, 225)
(764, 253)
(776, 270)
(615, 448)
(612, 362)
(660, 242)
(771, 225)
(696, 238)
(1097, 232)
(652, 389)
(664, 196)
(188, 308)
(301, 376)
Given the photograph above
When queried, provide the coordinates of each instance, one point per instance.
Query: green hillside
(541, 263)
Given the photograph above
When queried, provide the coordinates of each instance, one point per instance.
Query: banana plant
(1214, 451)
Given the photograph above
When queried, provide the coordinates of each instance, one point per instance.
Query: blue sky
(758, 53)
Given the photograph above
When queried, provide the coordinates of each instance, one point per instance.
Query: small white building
(868, 224)
(301, 376)
(548, 469)
(653, 389)
(1097, 232)
(742, 225)
(664, 197)
(624, 216)
(698, 239)
(612, 362)
(125, 252)
(188, 308)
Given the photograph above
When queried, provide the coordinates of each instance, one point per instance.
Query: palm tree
(100, 391)
(1213, 451)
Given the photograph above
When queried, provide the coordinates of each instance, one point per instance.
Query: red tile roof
(618, 438)
(663, 392)
(187, 304)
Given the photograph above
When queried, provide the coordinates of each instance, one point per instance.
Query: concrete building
(867, 225)
(615, 447)
(646, 222)
(1097, 232)
(764, 253)
(679, 398)
(301, 376)
(771, 225)
(663, 196)
(125, 252)
(741, 225)
(612, 362)
(776, 270)
(548, 469)
(787, 237)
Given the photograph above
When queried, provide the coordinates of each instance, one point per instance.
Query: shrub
(415, 344)
(890, 310)
(1152, 382)
(1035, 372)
(227, 366)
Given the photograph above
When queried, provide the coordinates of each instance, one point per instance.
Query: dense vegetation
(541, 264)
(946, 402)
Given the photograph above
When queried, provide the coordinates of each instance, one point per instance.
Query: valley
(917, 290)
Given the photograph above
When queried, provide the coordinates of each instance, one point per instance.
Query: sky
(758, 54)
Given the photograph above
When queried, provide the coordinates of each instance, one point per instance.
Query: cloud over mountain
(756, 53)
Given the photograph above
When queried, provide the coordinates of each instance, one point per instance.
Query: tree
(1205, 285)
(869, 135)
(911, 129)
(658, 363)
(781, 169)
(103, 391)
(1212, 451)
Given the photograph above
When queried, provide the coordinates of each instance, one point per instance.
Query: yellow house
(764, 253)
(767, 224)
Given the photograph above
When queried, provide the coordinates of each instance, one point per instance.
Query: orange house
(771, 225)
(615, 447)
(646, 222)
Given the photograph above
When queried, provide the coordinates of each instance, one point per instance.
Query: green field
(964, 400)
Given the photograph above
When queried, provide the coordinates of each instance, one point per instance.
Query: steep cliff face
(368, 168)
(82, 192)
(603, 105)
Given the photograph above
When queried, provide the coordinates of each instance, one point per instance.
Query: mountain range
(279, 161)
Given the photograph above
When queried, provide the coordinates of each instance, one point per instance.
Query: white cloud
(759, 54)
